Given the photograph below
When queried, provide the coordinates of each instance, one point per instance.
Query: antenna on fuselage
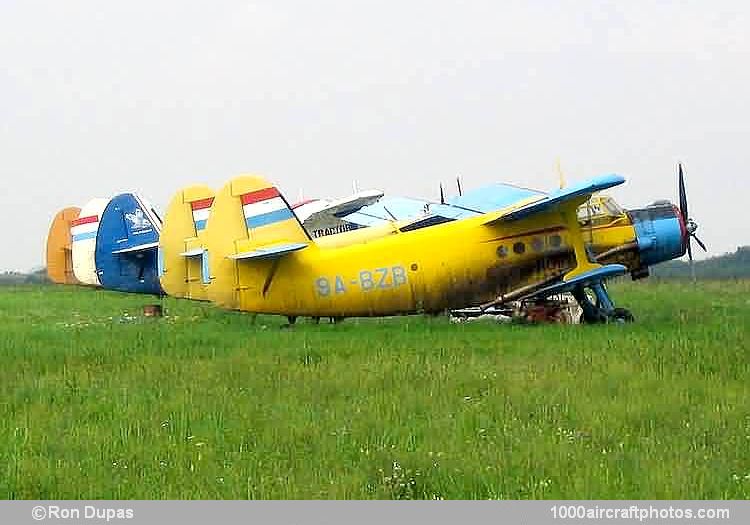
(442, 194)
(458, 185)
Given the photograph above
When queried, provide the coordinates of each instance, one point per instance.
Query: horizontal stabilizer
(549, 202)
(138, 248)
(269, 251)
(195, 252)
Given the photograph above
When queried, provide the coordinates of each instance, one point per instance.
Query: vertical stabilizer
(249, 215)
(83, 231)
(59, 254)
(126, 245)
(186, 272)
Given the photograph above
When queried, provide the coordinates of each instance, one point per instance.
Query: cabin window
(599, 211)
(537, 244)
(519, 248)
(555, 241)
(502, 251)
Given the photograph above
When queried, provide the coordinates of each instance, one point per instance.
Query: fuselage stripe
(256, 221)
(202, 204)
(84, 220)
(84, 236)
(263, 207)
(259, 195)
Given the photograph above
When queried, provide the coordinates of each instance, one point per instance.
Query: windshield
(599, 210)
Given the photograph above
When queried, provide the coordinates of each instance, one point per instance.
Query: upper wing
(492, 197)
(388, 210)
(332, 210)
(419, 213)
(576, 193)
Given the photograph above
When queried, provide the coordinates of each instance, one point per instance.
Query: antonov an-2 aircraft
(260, 259)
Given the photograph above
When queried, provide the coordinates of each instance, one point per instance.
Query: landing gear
(601, 310)
(621, 315)
(291, 319)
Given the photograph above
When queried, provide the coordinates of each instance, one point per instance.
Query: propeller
(690, 225)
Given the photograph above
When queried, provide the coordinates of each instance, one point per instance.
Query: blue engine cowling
(660, 232)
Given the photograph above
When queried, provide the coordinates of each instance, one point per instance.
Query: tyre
(621, 315)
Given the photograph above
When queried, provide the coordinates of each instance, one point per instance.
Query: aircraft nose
(661, 232)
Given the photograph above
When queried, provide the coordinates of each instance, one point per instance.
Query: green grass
(210, 404)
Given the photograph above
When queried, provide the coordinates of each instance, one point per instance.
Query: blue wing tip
(611, 179)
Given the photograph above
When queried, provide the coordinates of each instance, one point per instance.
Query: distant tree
(11, 278)
(37, 277)
(728, 266)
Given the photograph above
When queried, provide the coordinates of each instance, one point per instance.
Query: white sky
(100, 97)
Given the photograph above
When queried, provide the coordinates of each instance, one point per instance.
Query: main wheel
(593, 316)
(621, 315)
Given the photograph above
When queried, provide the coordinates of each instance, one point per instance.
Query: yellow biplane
(260, 259)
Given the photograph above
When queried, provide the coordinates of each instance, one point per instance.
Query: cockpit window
(613, 207)
(599, 210)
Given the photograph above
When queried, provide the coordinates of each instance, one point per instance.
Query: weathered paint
(458, 263)
(59, 251)
(186, 268)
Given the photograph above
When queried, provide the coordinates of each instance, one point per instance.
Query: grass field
(96, 402)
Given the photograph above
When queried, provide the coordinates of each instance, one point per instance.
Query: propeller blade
(700, 243)
(689, 251)
(682, 194)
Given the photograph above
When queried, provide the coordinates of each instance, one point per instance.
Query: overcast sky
(98, 98)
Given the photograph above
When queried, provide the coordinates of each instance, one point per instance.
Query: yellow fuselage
(382, 270)
(450, 265)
